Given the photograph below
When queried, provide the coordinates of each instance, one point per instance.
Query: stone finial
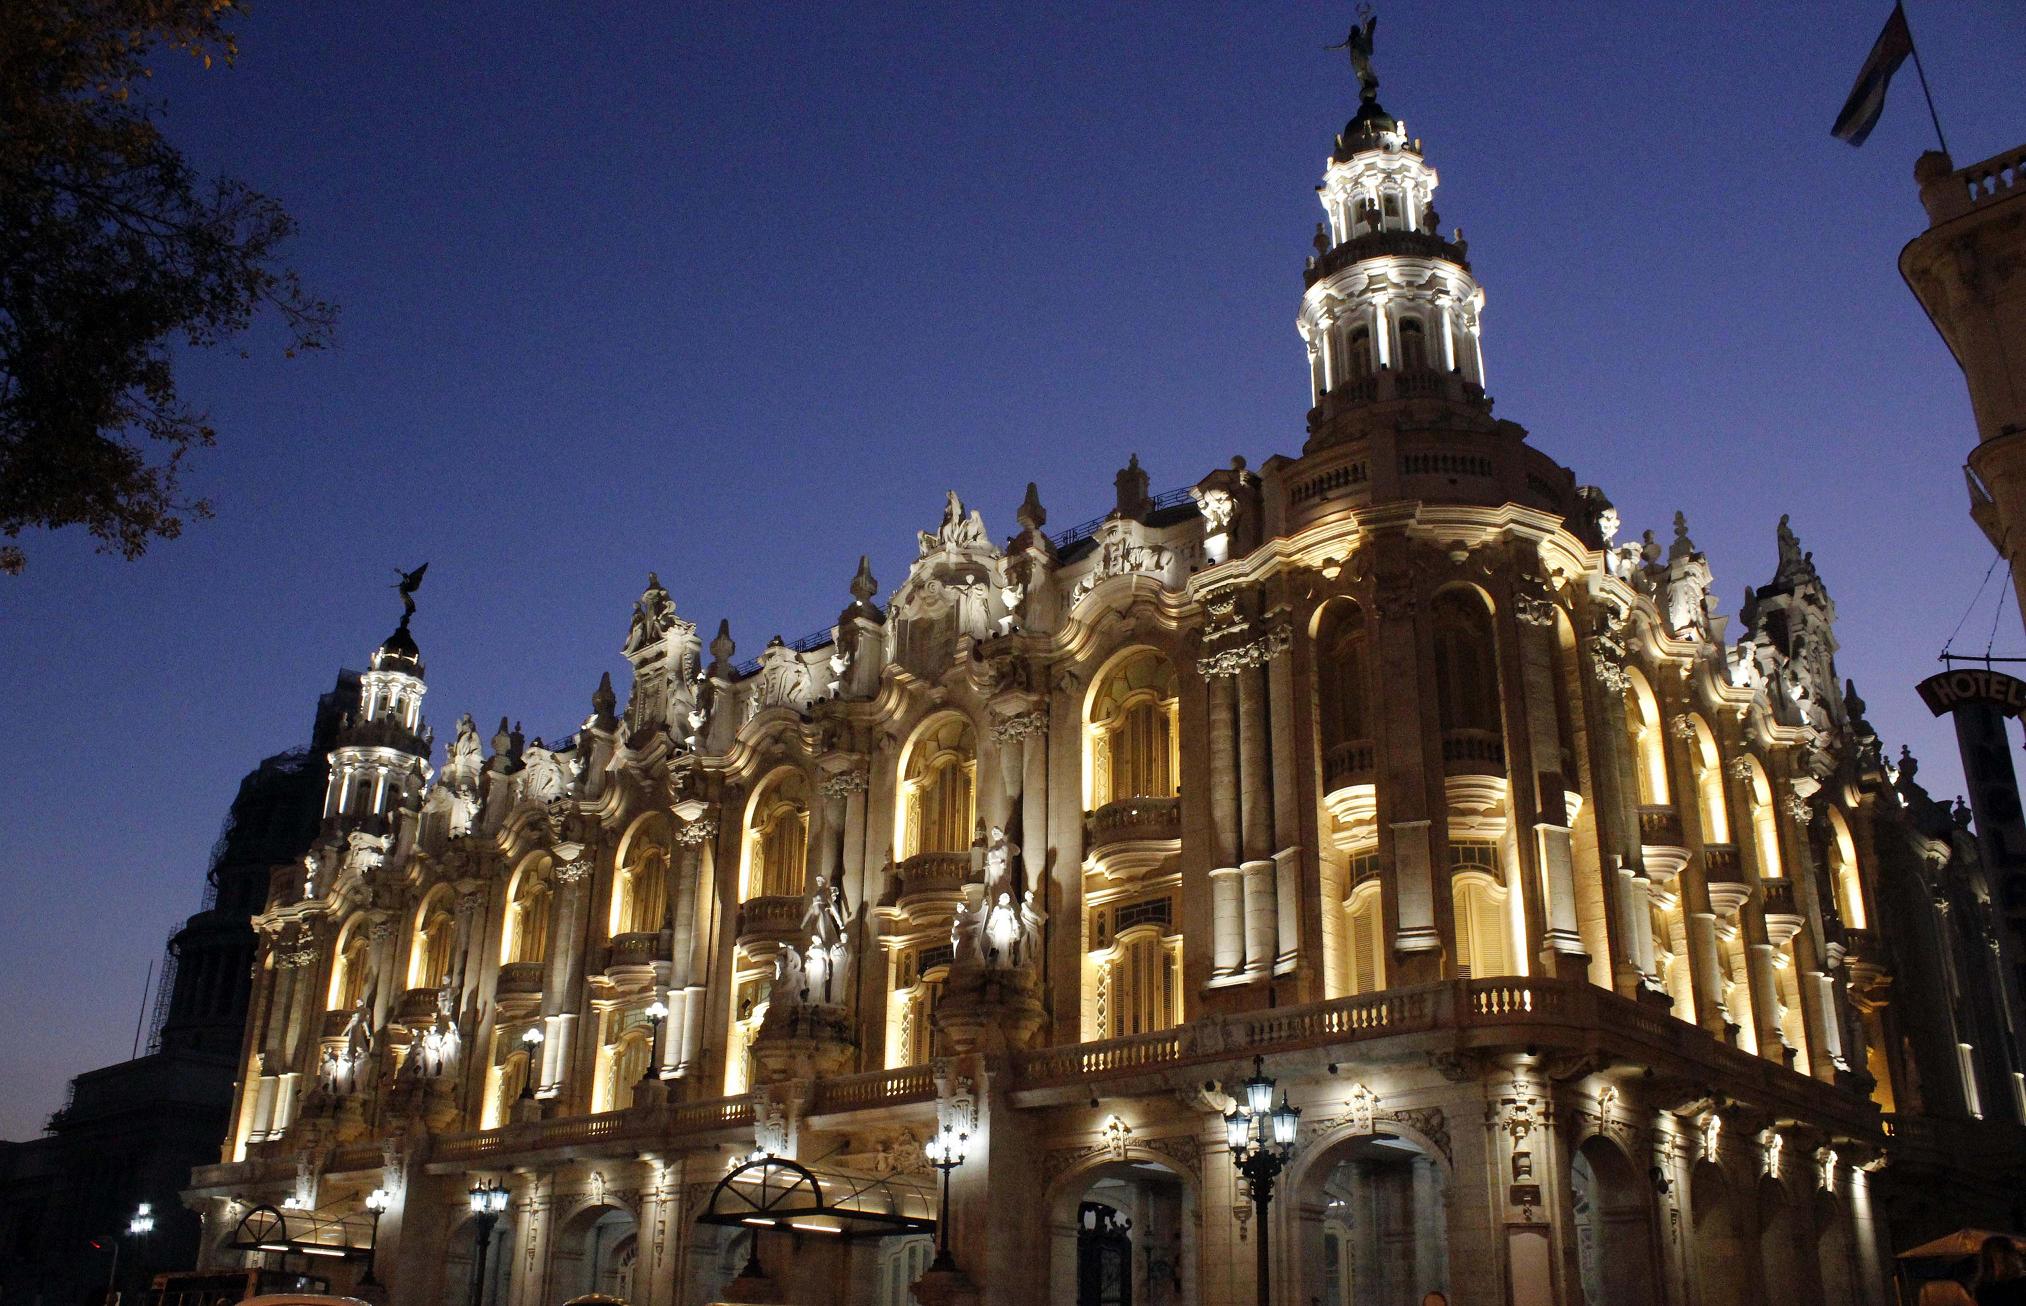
(1031, 516)
(1682, 546)
(863, 586)
(722, 649)
(604, 703)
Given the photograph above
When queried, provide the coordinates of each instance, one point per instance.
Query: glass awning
(776, 1193)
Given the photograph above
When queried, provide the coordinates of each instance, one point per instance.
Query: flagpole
(1921, 73)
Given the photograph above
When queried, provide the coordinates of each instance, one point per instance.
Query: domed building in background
(1597, 946)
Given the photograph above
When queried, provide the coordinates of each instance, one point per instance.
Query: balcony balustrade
(1472, 752)
(1133, 818)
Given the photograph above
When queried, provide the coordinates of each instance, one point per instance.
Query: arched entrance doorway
(499, 1259)
(595, 1251)
(1787, 1247)
(1615, 1250)
(1116, 1237)
(1723, 1258)
(1835, 1256)
(1372, 1216)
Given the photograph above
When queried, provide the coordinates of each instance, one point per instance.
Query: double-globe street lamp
(377, 1203)
(488, 1200)
(1261, 1136)
(945, 1152)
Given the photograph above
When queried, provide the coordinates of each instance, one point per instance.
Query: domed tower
(383, 750)
(1392, 320)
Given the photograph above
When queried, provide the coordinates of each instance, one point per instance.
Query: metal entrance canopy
(300, 1233)
(776, 1193)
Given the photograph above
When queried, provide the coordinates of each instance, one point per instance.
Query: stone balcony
(518, 978)
(770, 918)
(1720, 864)
(1131, 819)
(416, 1006)
(1351, 763)
(931, 878)
(1473, 752)
(1660, 826)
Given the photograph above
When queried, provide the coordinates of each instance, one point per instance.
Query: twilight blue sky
(736, 294)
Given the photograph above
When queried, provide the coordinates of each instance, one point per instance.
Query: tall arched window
(1709, 784)
(1765, 822)
(429, 950)
(527, 916)
(640, 893)
(626, 1064)
(1364, 914)
(1649, 740)
(1357, 356)
(1843, 870)
(1483, 928)
(777, 838)
(1131, 732)
(1413, 345)
(1343, 691)
(509, 1081)
(1466, 666)
(937, 802)
(348, 977)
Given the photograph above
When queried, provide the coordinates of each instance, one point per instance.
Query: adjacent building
(1604, 953)
(130, 1133)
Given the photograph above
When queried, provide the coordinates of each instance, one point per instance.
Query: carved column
(1226, 883)
(682, 1048)
(1404, 777)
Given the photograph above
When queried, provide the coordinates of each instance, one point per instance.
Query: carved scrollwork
(1019, 726)
(841, 784)
(1240, 657)
(702, 830)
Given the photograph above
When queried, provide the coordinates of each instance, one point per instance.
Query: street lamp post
(139, 1226)
(377, 1202)
(1261, 1137)
(531, 1039)
(657, 1011)
(945, 1152)
(488, 1199)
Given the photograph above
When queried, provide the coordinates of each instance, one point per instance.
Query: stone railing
(1133, 818)
(1348, 764)
(1779, 897)
(933, 873)
(643, 1125)
(520, 977)
(1660, 826)
(417, 1005)
(642, 948)
(1948, 195)
(876, 1088)
(772, 915)
(1472, 752)
(1720, 864)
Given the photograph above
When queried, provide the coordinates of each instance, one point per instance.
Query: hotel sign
(1949, 690)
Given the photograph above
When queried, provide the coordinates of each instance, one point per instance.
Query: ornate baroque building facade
(1572, 914)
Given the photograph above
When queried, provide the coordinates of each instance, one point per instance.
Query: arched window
(626, 1064)
(1413, 345)
(777, 838)
(1843, 870)
(1131, 731)
(429, 950)
(1137, 955)
(1483, 928)
(348, 977)
(1765, 823)
(1649, 740)
(1365, 917)
(919, 973)
(1466, 668)
(527, 916)
(1356, 363)
(640, 894)
(1343, 692)
(1709, 784)
(937, 788)
(749, 1012)
(509, 1081)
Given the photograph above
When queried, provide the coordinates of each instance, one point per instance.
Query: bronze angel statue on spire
(1359, 44)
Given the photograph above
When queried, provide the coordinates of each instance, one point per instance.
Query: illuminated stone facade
(1568, 911)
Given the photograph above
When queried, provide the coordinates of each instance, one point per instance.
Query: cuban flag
(1867, 98)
